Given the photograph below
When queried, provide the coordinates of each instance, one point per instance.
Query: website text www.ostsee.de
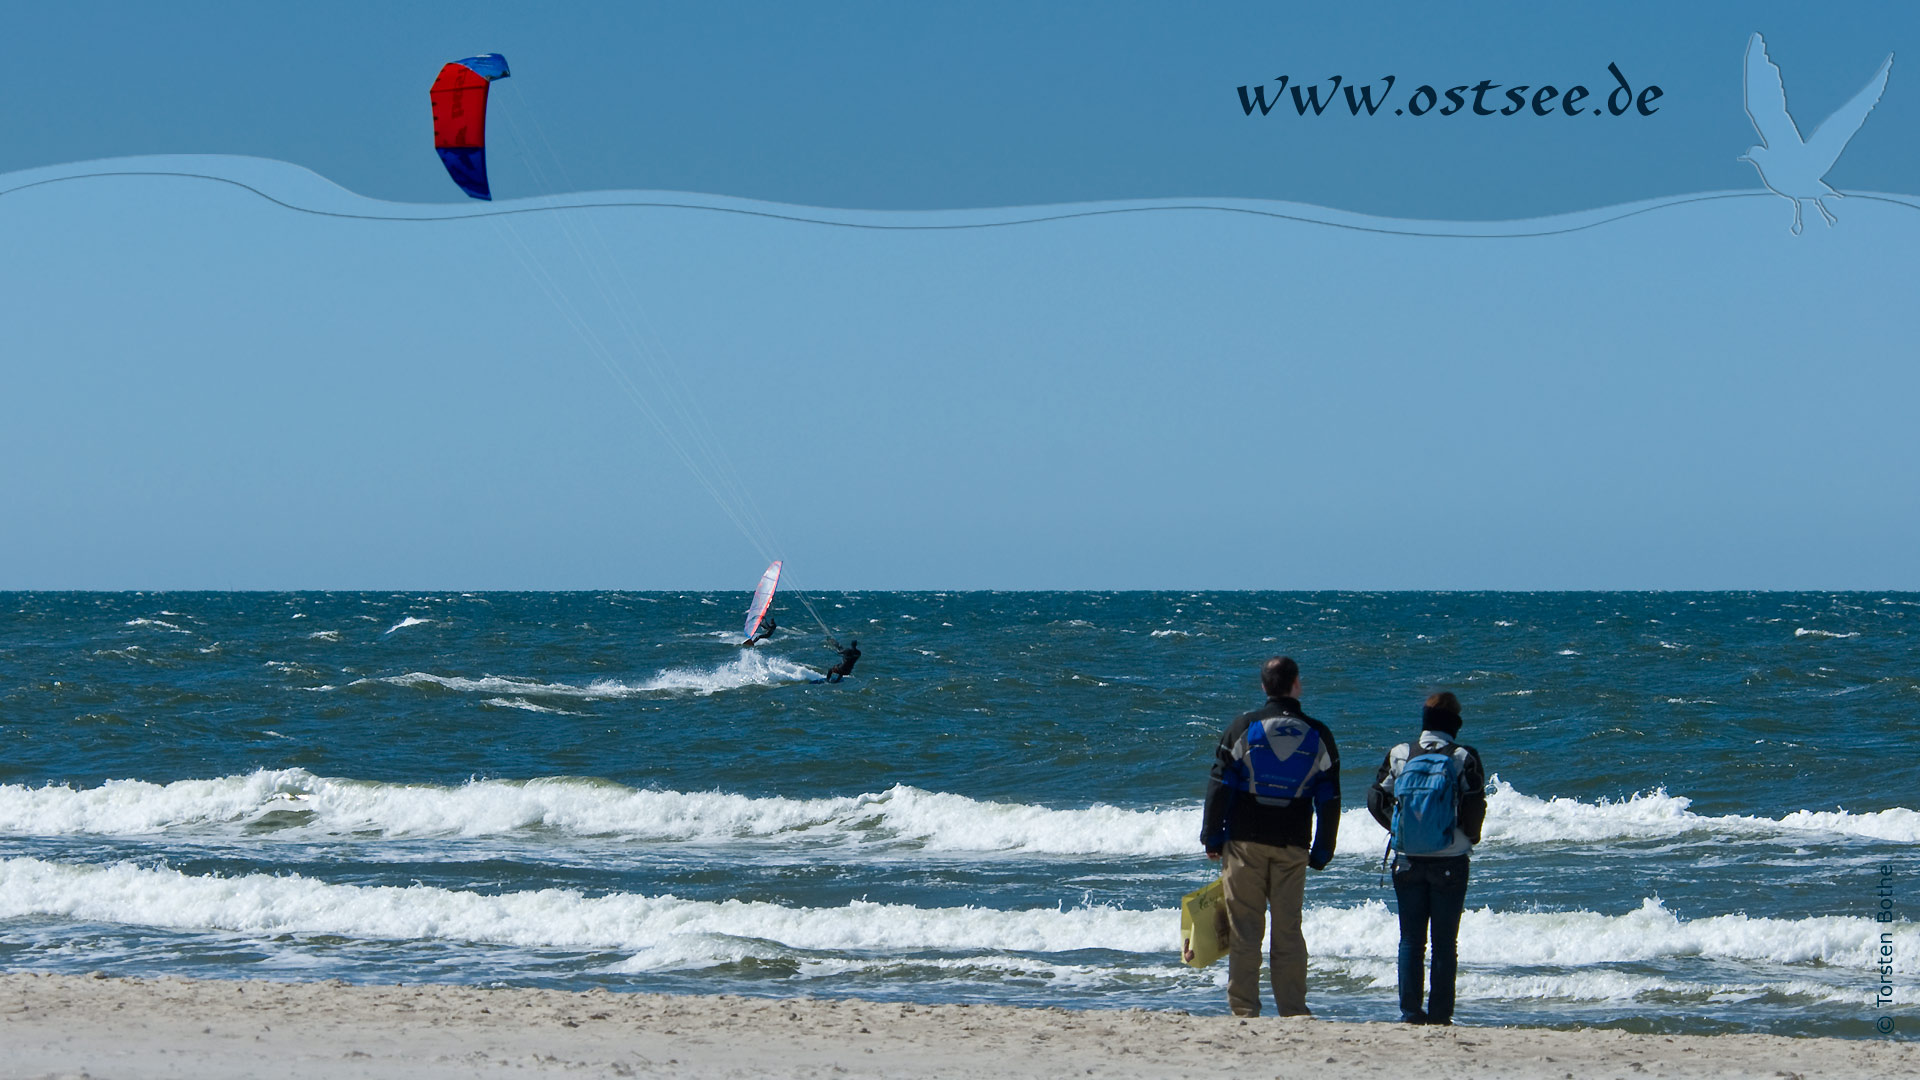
(1483, 98)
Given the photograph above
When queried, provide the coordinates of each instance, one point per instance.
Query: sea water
(1701, 812)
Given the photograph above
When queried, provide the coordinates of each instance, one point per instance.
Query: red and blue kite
(460, 119)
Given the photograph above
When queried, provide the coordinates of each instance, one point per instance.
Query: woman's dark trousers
(1432, 893)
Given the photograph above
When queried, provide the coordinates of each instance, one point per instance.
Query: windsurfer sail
(762, 602)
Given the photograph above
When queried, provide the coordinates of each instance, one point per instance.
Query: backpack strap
(1396, 761)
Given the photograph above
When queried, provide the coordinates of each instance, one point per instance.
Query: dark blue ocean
(1695, 795)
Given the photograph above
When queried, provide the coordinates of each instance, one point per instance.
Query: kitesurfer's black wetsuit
(766, 630)
(849, 656)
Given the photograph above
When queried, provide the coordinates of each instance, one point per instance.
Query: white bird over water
(1790, 166)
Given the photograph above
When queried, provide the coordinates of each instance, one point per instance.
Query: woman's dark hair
(1442, 713)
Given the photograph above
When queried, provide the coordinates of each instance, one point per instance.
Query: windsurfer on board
(849, 656)
(760, 625)
(767, 627)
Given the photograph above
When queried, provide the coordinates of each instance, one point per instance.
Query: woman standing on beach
(1431, 795)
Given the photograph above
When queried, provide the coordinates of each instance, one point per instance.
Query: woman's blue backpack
(1426, 801)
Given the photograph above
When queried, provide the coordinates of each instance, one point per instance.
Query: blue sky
(208, 391)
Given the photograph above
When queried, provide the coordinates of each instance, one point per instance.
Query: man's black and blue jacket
(1232, 812)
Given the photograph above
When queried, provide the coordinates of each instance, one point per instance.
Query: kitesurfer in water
(767, 627)
(849, 656)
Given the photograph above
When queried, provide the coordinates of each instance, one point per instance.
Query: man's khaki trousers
(1258, 876)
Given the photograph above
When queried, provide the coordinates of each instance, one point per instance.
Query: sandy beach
(108, 1028)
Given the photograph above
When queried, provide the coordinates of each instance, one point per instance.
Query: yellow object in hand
(1203, 925)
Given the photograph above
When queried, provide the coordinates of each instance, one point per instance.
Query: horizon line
(844, 592)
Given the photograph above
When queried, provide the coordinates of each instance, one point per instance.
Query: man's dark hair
(1278, 675)
(1445, 700)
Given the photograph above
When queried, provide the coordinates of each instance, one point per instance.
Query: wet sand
(119, 1029)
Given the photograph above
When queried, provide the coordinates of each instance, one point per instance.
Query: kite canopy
(460, 119)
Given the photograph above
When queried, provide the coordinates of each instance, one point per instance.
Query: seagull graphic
(1789, 165)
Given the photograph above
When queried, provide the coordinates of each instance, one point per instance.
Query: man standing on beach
(1272, 811)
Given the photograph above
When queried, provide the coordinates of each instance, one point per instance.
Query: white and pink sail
(762, 598)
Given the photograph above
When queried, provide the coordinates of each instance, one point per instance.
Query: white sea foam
(747, 669)
(161, 623)
(1802, 631)
(1572, 939)
(553, 918)
(497, 684)
(1591, 984)
(992, 968)
(527, 706)
(933, 821)
(325, 635)
(1518, 818)
(667, 932)
(899, 817)
(406, 622)
(1171, 633)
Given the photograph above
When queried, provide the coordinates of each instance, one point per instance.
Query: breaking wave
(299, 803)
(670, 933)
(1513, 817)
